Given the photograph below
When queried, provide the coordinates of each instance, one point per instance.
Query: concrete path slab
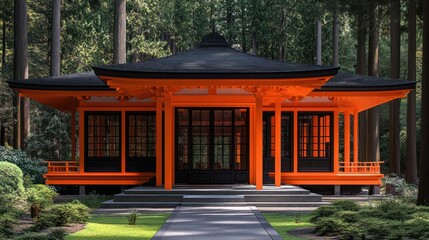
(216, 223)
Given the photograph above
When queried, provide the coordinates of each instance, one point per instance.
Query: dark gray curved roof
(90, 82)
(352, 82)
(75, 82)
(214, 59)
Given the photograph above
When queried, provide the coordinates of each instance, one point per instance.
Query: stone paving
(236, 223)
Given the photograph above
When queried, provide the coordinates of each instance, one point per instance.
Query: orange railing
(63, 167)
(360, 167)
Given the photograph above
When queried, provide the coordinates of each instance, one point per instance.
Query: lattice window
(141, 134)
(314, 135)
(103, 135)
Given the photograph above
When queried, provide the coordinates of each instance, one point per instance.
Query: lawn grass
(116, 227)
(283, 222)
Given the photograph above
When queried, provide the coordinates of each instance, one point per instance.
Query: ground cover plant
(117, 227)
(387, 219)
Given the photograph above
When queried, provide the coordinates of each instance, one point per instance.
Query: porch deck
(353, 173)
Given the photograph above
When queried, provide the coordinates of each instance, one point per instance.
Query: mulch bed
(25, 222)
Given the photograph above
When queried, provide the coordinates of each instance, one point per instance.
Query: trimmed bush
(57, 234)
(61, 214)
(40, 196)
(330, 210)
(7, 220)
(11, 184)
(33, 168)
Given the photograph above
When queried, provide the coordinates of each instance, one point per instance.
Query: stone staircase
(215, 195)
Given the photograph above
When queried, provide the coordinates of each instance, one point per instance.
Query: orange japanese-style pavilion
(214, 115)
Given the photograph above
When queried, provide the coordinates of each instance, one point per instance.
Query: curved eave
(24, 85)
(105, 71)
(401, 86)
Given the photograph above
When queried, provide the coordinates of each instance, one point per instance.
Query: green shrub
(347, 216)
(394, 210)
(61, 214)
(40, 196)
(73, 212)
(7, 220)
(346, 205)
(329, 226)
(376, 228)
(330, 210)
(11, 184)
(404, 191)
(93, 200)
(33, 168)
(57, 234)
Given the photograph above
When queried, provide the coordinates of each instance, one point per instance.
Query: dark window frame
(102, 163)
(140, 163)
(316, 164)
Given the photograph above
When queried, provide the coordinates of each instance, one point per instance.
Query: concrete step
(287, 204)
(216, 191)
(121, 197)
(213, 204)
(213, 198)
(283, 198)
(131, 205)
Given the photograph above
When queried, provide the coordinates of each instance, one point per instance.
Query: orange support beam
(252, 146)
(158, 140)
(346, 138)
(81, 141)
(123, 141)
(355, 137)
(73, 135)
(278, 132)
(168, 138)
(258, 142)
(336, 139)
(295, 141)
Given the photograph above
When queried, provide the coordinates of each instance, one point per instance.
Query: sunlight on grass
(283, 222)
(116, 227)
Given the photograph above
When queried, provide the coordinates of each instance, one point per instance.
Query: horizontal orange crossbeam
(330, 178)
(97, 178)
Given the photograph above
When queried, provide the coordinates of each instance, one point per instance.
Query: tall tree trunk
(283, 34)
(254, 47)
(361, 68)
(22, 105)
(335, 34)
(55, 36)
(229, 30)
(319, 43)
(119, 33)
(411, 160)
(394, 106)
(243, 27)
(372, 130)
(423, 196)
(3, 55)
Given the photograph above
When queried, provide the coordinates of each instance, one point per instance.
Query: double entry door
(212, 145)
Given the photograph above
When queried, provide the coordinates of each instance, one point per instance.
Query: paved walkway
(216, 223)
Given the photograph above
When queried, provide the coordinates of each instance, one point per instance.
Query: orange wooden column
(73, 135)
(278, 132)
(295, 141)
(252, 146)
(346, 140)
(158, 140)
(168, 138)
(258, 142)
(123, 141)
(355, 137)
(81, 141)
(336, 139)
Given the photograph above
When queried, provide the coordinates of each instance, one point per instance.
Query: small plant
(39, 196)
(93, 200)
(132, 217)
(298, 217)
